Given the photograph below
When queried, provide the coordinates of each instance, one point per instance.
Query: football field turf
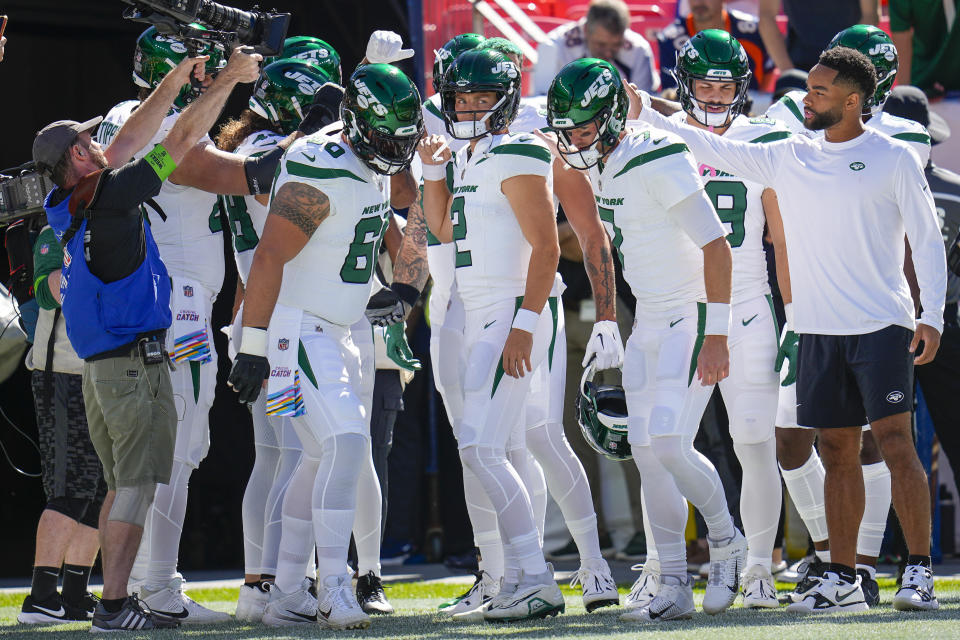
(416, 618)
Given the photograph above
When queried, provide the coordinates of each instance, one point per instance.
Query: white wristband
(526, 320)
(253, 341)
(718, 319)
(432, 172)
(788, 314)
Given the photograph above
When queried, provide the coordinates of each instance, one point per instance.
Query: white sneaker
(170, 602)
(288, 609)
(726, 564)
(831, 594)
(252, 601)
(646, 587)
(916, 590)
(599, 589)
(674, 601)
(500, 594)
(759, 591)
(479, 594)
(535, 597)
(337, 607)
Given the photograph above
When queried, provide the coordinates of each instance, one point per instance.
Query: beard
(822, 120)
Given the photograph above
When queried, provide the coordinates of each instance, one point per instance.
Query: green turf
(416, 618)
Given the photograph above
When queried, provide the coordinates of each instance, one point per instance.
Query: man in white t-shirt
(846, 201)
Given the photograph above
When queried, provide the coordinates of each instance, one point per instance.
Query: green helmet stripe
(650, 156)
(316, 173)
(772, 136)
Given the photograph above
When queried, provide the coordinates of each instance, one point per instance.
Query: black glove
(247, 376)
(386, 308)
(324, 109)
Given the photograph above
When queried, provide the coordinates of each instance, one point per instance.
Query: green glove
(398, 349)
(789, 341)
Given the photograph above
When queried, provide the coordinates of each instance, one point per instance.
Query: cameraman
(116, 304)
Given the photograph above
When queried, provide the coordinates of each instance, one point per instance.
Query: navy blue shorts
(848, 381)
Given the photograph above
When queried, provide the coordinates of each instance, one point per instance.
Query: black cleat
(370, 595)
(133, 616)
(871, 590)
(53, 610)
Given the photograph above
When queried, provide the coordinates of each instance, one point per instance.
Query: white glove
(385, 46)
(605, 344)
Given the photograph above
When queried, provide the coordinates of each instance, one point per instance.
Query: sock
(584, 533)
(923, 561)
(665, 511)
(296, 545)
(366, 519)
(871, 571)
(823, 555)
(334, 499)
(483, 520)
(511, 568)
(878, 496)
(290, 454)
(845, 573)
(805, 484)
(760, 497)
(44, 583)
(75, 579)
(253, 507)
(112, 606)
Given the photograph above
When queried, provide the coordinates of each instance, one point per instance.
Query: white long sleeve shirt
(845, 207)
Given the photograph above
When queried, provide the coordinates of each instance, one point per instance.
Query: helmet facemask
(491, 120)
(607, 128)
(385, 153)
(602, 415)
(686, 90)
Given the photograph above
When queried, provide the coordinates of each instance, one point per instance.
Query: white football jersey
(246, 215)
(647, 173)
(331, 276)
(740, 209)
(789, 110)
(492, 254)
(189, 240)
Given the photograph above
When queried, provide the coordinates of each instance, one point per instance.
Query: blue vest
(102, 316)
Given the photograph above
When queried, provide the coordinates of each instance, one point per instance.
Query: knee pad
(132, 503)
(73, 508)
(670, 450)
(752, 417)
(479, 458)
(663, 422)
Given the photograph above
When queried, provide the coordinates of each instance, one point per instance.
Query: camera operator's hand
(243, 65)
(324, 109)
(386, 46)
(189, 68)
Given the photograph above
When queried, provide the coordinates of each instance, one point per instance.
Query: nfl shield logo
(44, 249)
(283, 344)
(188, 291)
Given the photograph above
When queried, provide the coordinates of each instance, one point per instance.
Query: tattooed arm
(576, 196)
(296, 211)
(411, 267)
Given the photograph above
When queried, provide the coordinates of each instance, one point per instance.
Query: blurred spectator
(811, 24)
(714, 14)
(790, 80)
(603, 33)
(940, 379)
(927, 35)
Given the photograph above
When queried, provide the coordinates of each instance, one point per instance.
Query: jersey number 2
(464, 258)
(730, 201)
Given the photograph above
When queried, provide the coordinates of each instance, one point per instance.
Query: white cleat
(289, 609)
(170, 602)
(759, 591)
(599, 589)
(646, 587)
(535, 597)
(726, 564)
(503, 592)
(337, 606)
(252, 602)
(673, 602)
(831, 594)
(480, 593)
(916, 590)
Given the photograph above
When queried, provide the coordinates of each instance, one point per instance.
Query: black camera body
(22, 192)
(227, 26)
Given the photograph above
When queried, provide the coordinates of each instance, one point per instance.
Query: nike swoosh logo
(676, 322)
(659, 140)
(304, 616)
(310, 158)
(325, 614)
(489, 323)
(846, 595)
(59, 613)
(746, 322)
(168, 614)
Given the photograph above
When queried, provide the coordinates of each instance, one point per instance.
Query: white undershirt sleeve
(919, 215)
(698, 219)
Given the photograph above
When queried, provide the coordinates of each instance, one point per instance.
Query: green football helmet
(602, 414)
(284, 91)
(445, 55)
(474, 71)
(157, 54)
(313, 50)
(876, 45)
(712, 55)
(587, 91)
(382, 117)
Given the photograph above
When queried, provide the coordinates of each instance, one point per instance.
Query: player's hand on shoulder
(713, 363)
(516, 353)
(433, 149)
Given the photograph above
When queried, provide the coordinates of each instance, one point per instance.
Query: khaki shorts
(132, 419)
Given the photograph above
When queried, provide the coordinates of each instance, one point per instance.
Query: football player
(185, 223)
(493, 201)
(328, 211)
(677, 261)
